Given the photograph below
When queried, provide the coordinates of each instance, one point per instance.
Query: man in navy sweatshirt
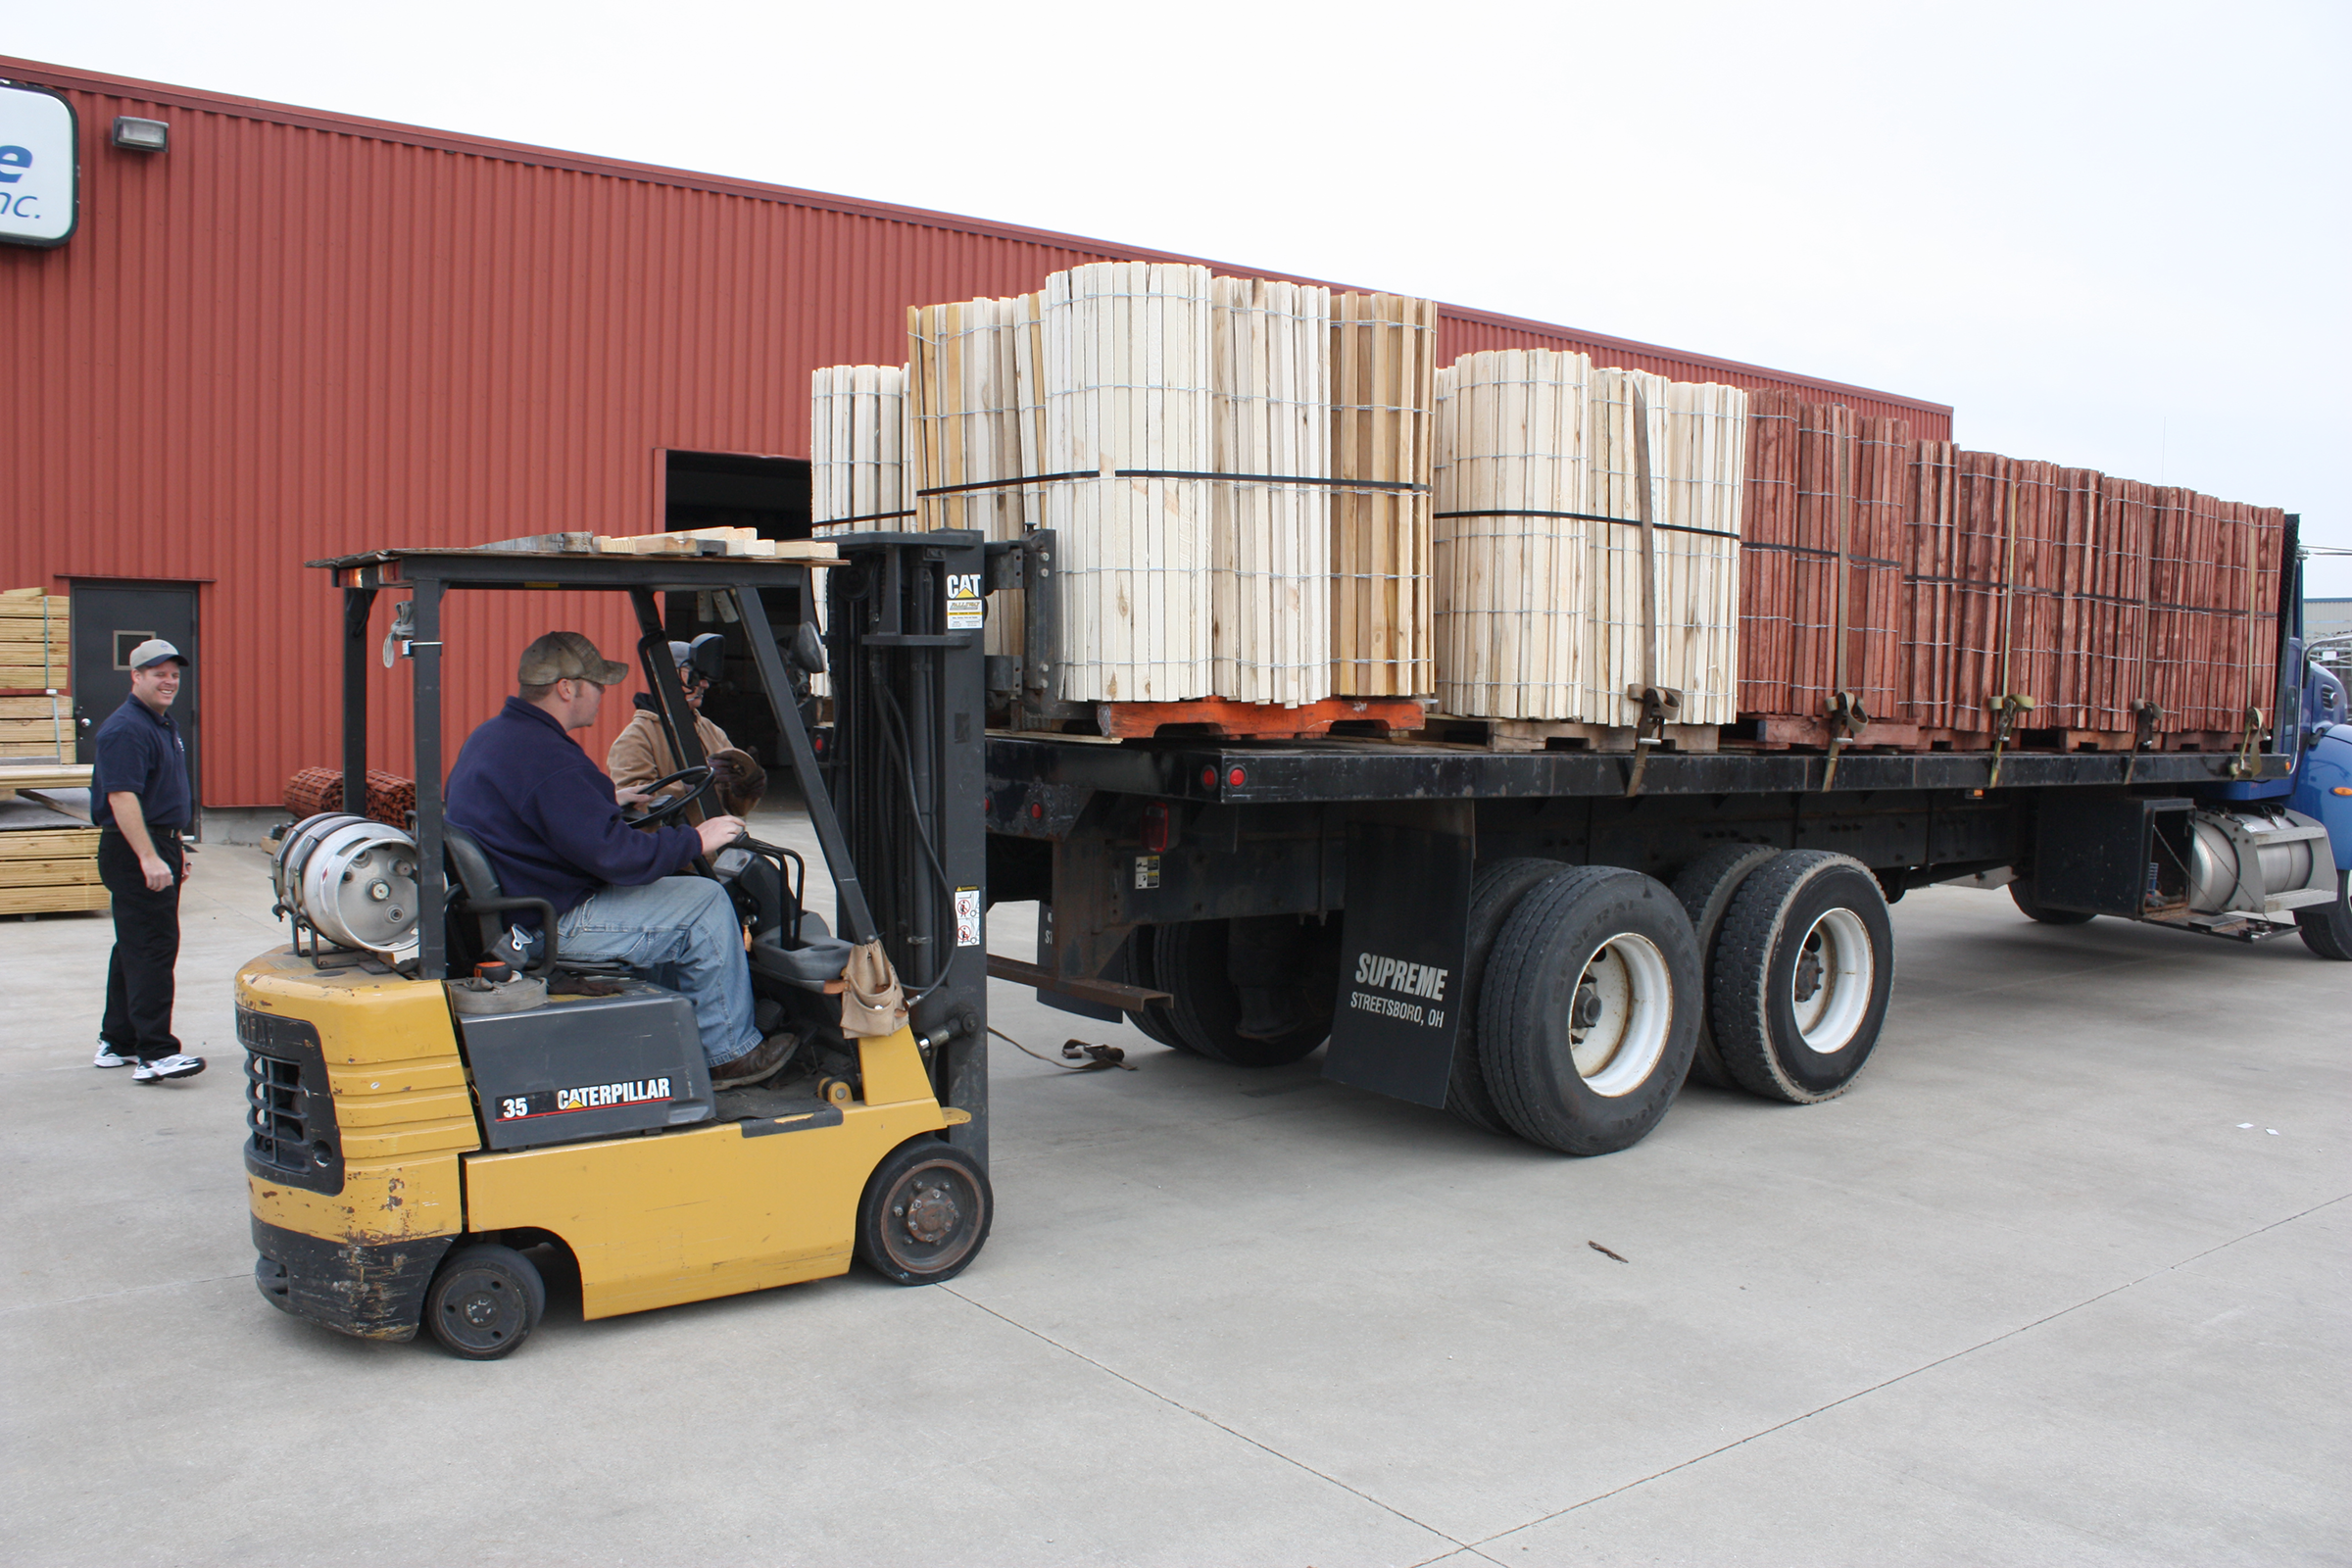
(549, 821)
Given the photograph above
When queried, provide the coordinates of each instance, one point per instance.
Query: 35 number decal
(511, 1109)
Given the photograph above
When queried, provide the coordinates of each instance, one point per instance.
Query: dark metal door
(110, 620)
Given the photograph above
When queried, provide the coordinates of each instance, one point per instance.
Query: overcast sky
(2109, 235)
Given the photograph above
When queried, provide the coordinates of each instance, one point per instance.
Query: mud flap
(1399, 1013)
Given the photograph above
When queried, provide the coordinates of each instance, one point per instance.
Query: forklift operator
(550, 824)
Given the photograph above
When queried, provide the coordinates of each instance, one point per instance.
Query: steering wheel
(693, 778)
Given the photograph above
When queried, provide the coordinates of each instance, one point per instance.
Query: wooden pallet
(1215, 718)
(1777, 731)
(1556, 735)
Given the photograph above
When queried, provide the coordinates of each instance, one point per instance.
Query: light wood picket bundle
(1511, 445)
(857, 418)
(1698, 457)
(1270, 597)
(1539, 565)
(1127, 377)
(1383, 381)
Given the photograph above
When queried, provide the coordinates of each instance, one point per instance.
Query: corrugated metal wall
(295, 335)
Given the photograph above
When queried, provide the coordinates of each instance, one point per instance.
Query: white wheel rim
(1617, 1052)
(1841, 976)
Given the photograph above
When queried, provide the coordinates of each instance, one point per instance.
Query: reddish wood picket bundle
(1767, 551)
(1930, 586)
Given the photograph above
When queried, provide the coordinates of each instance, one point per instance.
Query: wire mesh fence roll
(1383, 382)
(1126, 373)
(1270, 594)
(1511, 542)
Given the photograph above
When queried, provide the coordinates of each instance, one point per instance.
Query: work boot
(757, 1065)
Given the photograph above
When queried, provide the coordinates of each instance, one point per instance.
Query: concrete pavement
(2031, 1293)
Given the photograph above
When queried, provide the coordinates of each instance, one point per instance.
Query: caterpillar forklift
(431, 1115)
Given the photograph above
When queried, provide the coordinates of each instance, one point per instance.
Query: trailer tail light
(1237, 778)
(1155, 828)
(1208, 778)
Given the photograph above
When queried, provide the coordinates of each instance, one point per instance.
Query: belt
(154, 833)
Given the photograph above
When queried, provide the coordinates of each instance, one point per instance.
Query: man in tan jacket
(641, 752)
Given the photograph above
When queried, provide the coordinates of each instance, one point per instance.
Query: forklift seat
(476, 901)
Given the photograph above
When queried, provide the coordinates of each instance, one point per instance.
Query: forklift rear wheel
(1193, 961)
(484, 1301)
(1705, 887)
(1494, 895)
(2021, 894)
(2327, 929)
(1588, 1009)
(1802, 973)
(925, 1213)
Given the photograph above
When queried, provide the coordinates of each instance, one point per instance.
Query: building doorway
(110, 620)
(731, 490)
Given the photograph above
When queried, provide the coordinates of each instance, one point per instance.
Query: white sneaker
(107, 1057)
(165, 1068)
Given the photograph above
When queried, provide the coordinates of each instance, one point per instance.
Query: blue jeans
(679, 932)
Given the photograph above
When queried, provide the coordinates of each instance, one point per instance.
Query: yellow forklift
(426, 1124)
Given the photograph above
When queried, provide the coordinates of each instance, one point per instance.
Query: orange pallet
(1219, 719)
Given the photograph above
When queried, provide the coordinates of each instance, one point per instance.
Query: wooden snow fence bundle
(1383, 392)
(1270, 593)
(971, 420)
(856, 449)
(1767, 551)
(1931, 597)
(2032, 574)
(1510, 544)
(2117, 642)
(1128, 447)
(1673, 613)
(2184, 591)
(1980, 547)
(1846, 572)
(2084, 617)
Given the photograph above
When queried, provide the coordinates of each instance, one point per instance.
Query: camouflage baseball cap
(567, 655)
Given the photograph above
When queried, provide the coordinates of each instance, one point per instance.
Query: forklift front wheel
(927, 1211)
(484, 1301)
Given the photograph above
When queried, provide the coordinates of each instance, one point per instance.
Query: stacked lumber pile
(743, 542)
(1270, 594)
(1539, 561)
(36, 713)
(1383, 392)
(858, 441)
(48, 857)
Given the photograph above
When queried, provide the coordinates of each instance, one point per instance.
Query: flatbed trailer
(1547, 943)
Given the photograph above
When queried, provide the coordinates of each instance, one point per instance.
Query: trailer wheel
(1588, 1009)
(1494, 895)
(1192, 961)
(1135, 966)
(1705, 887)
(925, 1212)
(1803, 969)
(2021, 894)
(2326, 929)
(484, 1301)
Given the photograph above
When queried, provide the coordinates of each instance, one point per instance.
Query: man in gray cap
(141, 800)
(550, 824)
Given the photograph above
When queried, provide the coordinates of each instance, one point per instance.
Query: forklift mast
(906, 773)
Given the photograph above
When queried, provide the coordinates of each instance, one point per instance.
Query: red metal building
(290, 334)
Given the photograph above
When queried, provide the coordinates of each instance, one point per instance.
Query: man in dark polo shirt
(549, 821)
(141, 801)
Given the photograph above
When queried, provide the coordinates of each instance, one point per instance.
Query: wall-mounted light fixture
(141, 135)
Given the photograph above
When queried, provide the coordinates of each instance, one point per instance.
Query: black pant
(138, 979)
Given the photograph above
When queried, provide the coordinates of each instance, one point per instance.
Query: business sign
(39, 187)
